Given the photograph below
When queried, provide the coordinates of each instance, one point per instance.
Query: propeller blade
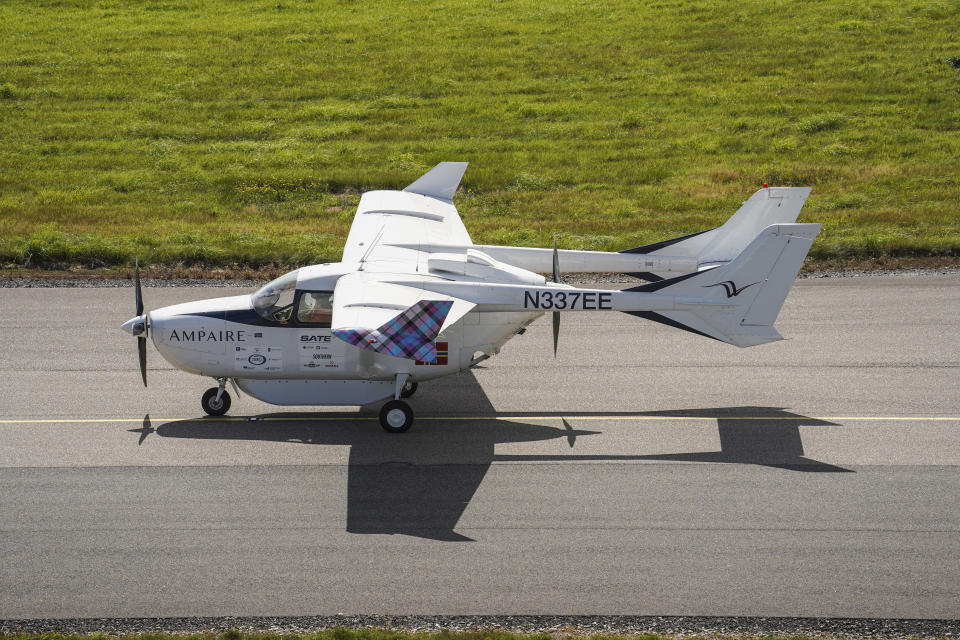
(139, 293)
(142, 352)
(556, 314)
(556, 331)
(556, 261)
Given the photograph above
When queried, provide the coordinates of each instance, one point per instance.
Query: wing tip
(440, 182)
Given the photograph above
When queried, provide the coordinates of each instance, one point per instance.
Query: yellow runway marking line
(610, 418)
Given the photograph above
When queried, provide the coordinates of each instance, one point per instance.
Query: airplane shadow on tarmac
(421, 482)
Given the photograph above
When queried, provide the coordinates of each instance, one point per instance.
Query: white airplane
(414, 299)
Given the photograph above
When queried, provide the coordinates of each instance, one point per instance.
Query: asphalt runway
(644, 471)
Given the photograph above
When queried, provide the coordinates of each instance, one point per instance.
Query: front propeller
(139, 325)
(142, 354)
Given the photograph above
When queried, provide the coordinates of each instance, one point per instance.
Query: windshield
(274, 301)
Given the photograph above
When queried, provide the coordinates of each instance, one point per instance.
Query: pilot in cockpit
(315, 307)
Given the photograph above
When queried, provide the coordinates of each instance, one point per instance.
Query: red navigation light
(764, 185)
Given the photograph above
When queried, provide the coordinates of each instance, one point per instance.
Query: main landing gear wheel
(213, 406)
(409, 388)
(396, 416)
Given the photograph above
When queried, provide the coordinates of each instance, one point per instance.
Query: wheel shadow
(421, 482)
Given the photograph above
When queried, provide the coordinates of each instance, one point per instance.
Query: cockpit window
(274, 301)
(315, 307)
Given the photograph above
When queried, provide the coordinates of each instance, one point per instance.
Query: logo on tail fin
(730, 287)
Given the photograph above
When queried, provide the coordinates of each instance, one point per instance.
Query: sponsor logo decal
(258, 359)
(443, 352)
(318, 350)
(730, 287)
(201, 335)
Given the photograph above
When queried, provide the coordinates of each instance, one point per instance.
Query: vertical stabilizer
(768, 206)
(738, 302)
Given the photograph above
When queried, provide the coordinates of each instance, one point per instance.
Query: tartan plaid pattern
(408, 335)
(443, 355)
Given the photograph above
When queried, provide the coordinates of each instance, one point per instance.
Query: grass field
(222, 132)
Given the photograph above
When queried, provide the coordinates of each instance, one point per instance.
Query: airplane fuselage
(227, 338)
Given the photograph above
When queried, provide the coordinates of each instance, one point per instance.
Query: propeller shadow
(145, 430)
(420, 483)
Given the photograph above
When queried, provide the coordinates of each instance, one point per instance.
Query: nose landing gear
(215, 400)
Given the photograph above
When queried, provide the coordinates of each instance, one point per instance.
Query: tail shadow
(766, 436)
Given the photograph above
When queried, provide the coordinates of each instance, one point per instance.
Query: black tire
(409, 388)
(210, 404)
(396, 416)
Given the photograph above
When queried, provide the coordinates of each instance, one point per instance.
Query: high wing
(400, 320)
(421, 214)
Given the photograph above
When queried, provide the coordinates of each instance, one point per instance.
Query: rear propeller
(556, 314)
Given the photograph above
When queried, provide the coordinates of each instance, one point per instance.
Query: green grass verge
(222, 132)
